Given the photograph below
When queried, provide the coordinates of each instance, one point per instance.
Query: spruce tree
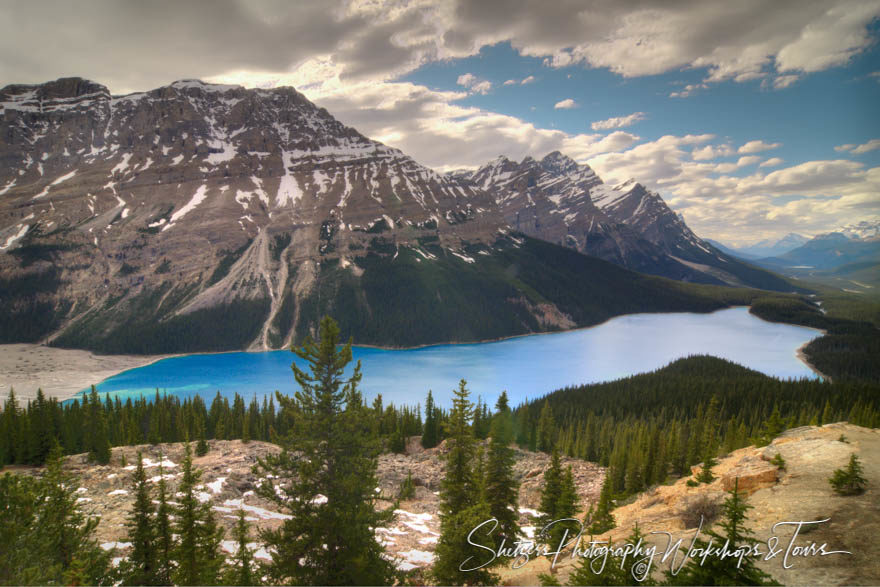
(715, 570)
(430, 435)
(165, 543)
(99, 437)
(500, 484)
(241, 571)
(142, 565)
(602, 519)
(551, 491)
(328, 485)
(462, 508)
(849, 481)
(546, 429)
(65, 531)
(566, 527)
(197, 556)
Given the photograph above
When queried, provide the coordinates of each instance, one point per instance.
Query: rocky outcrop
(800, 492)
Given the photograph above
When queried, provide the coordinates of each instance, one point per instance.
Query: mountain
(772, 247)
(560, 201)
(729, 250)
(209, 217)
(850, 245)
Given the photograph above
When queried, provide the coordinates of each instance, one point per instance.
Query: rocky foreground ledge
(799, 493)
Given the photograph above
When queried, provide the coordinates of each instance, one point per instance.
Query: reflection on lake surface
(526, 367)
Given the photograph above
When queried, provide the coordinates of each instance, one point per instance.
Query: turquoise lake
(527, 367)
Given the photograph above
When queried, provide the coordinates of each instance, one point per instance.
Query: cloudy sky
(752, 118)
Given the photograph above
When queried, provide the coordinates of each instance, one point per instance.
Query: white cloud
(510, 82)
(812, 197)
(783, 81)
(474, 84)
(711, 152)
(618, 122)
(380, 40)
(871, 145)
(757, 147)
(566, 104)
(772, 162)
(528, 80)
(748, 160)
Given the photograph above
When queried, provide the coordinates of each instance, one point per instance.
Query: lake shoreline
(63, 373)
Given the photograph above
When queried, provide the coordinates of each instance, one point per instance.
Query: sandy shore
(60, 373)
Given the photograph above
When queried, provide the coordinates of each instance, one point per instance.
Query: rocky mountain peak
(556, 162)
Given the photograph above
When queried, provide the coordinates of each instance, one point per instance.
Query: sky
(751, 118)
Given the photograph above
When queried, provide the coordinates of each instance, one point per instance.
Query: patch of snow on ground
(530, 512)
(216, 485)
(197, 199)
(64, 177)
(112, 545)
(263, 513)
(118, 492)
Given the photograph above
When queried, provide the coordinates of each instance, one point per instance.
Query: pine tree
(142, 565)
(329, 487)
(165, 543)
(849, 481)
(241, 571)
(715, 570)
(602, 519)
(566, 528)
(197, 556)
(545, 434)
(99, 438)
(66, 533)
(551, 491)
(500, 485)
(462, 508)
(202, 445)
(430, 436)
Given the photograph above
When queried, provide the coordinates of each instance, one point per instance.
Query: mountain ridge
(207, 217)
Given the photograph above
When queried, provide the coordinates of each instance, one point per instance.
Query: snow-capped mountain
(209, 217)
(852, 244)
(561, 201)
(865, 230)
(771, 247)
(237, 194)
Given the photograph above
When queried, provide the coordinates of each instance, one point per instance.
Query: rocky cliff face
(210, 195)
(558, 200)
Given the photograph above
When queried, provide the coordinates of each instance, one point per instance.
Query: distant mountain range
(765, 248)
(207, 217)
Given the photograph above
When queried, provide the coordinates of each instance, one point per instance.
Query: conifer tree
(241, 571)
(196, 555)
(65, 531)
(99, 438)
(565, 528)
(849, 481)
(430, 436)
(202, 445)
(142, 565)
(602, 519)
(545, 433)
(715, 570)
(500, 485)
(551, 491)
(165, 543)
(329, 486)
(462, 508)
